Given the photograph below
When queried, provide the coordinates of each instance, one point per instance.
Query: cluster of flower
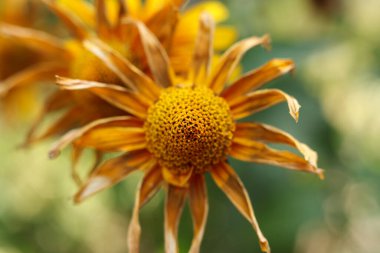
(145, 79)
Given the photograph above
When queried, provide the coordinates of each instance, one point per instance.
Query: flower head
(177, 129)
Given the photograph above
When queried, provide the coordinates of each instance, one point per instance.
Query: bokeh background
(336, 46)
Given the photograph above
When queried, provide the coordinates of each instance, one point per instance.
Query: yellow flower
(115, 23)
(176, 130)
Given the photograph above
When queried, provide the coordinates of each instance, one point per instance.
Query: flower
(115, 23)
(177, 129)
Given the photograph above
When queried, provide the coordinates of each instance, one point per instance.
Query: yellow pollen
(189, 128)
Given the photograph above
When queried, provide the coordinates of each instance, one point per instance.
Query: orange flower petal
(230, 183)
(156, 55)
(132, 77)
(37, 72)
(203, 51)
(113, 171)
(266, 133)
(258, 77)
(199, 210)
(98, 134)
(102, 23)
(230, 59)
(72, 22)
(179, 179)
(175, 201)
(148, 187)
(118, 96)
(260, 100)
(252, 151)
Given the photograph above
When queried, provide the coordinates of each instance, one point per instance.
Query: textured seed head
(189, 128)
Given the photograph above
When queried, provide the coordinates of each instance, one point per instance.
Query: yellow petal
(103, 26)
(148, 187)
(217, 10)
(98, 134)
(257, 101)
(199, 210)
(113, 171)
(175, 201)
(258, 77)
(252, 151)
(133, 7)
(203, 51)
(156, 55)
(266, 133)
(132, 77)
(230, 183)
(121, 98)
(230, 59)
(177, 178)
(224, 37)
(82, 9)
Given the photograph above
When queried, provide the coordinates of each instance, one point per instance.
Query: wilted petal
(203, 45)
(199, 210)
(35, 39)
(230, 59)
(156, 55)
(176, 177)
(149, 186)
(230, 183)
(112, 171)
(132, 77)
(72, 22)
(175, 201)
(260, 100)
(99, 134)
(118, 96)
(266, 133)
(252, 151)
(258, 77)
(39, 72)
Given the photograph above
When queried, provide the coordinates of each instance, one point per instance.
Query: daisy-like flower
(176, 130)
(115, 23)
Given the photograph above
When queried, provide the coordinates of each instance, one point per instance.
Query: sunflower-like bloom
(116, 23)
(176, 130)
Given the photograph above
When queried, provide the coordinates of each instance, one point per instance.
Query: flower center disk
(189, 129)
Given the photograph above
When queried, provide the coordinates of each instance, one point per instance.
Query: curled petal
(230, 59)
(230, 183)
(156, 55)
(258, 77)
(252, 151)
(131, 76)
(199, 210)
(203, 51)
(266, 133)
(175, 201)
(148, 187)
(99, 134)
(260, 100)
(112, 171)
(118, 96)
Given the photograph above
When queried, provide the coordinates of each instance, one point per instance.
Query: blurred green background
(336, 46)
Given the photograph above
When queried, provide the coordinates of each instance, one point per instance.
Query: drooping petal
(113, 171)
(175, 201)
(266, 133)
(132, 77)
(118, 96)
(175, 177)
(260, 100)
(122, 133)
(38, 72)
(252, 151)
(72, 22)
(35, 39)
(203, 51)
(199, 210)
(230, 183)
(230, 59)
(102, 23)
(156, 55)
(258, 77)
(148, 187)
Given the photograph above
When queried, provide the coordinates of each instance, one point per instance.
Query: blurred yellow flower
(178, 129)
